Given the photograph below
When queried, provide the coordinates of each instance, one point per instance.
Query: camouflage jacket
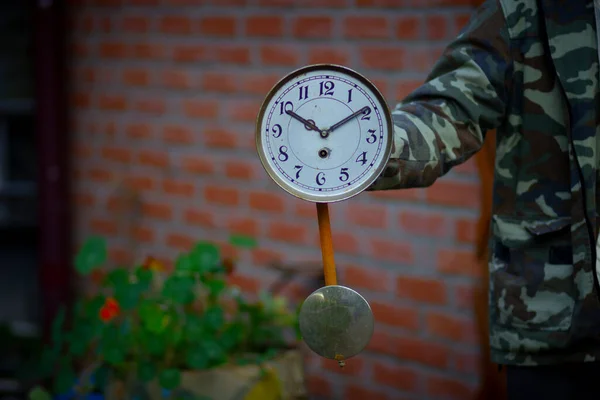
(529, 69)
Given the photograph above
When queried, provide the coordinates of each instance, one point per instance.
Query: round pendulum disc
(336, 322)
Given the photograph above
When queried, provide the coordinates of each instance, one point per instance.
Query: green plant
(148, 323)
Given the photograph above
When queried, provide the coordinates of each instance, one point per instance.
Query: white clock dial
(324, 133)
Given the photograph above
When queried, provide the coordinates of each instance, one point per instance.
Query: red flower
(153, 264)
(109, 310)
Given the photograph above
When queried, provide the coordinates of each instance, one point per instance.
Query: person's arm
(443, 122)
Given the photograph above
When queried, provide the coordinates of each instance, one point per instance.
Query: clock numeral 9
(344, 176)
(277, 131)
(320, 178)
(373, 138)
(283, 155)
(284, 107)
(326, 88)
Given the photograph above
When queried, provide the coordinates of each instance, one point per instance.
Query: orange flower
(153, 264)
(109, 310)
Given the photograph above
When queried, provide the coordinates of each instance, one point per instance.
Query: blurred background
(134, 120)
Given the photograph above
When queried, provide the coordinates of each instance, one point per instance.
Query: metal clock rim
(283, 184)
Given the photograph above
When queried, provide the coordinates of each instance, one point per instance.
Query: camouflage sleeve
(443, 122)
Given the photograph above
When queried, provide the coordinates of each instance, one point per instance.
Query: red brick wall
(164, 94)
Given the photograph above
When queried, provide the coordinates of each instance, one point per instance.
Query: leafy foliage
(152, 324)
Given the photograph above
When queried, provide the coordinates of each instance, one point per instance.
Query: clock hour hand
(348, 118)
(308, 124)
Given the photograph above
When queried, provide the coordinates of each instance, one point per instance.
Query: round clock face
(324, 133)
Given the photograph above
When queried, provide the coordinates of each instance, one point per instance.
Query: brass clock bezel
(324, 198)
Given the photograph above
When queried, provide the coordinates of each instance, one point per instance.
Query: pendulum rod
(326, 244)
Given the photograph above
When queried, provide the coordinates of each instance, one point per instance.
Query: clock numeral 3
(344, 176)
(362, 158)
(285, 106)
(277, 130)
(373, 138)
(303, 92)
(299, 168)
(326, 88)
(283, 155)
(320, 178)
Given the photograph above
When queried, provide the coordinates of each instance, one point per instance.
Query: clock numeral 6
(373, 138)
(320, 178)
(277, 130)
(285, 106)
(344, 176)
(283, 155)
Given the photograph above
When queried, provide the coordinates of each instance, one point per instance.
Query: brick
(459, 262)
(324, 3)
(148, 51)
(143, 2)
(244, 111)
(437, 27)
(135, 24)
(353, 367)
(112, 102)
(454, 194)
(318, 385)
(257, 83)
(421, 351)
(138, 131)
(85, 200)
(354, 391)
(328, 55)
(264, 26)
(467, 363)
(366, 27)
(195, 108)
(266, 257)
(279, 55)
(403, 317)
(177, 134)
(236, 55)
(314, 27)
(245, 283)
(421, 289)
(382, 58)
(153, 158)
(180, 241)
(456, 329)
(467, 168)
(221, 26)
(464, 296)
(81, 100)
(226, 196)
(344, 241)
(117, 154)
(80, 49)
(243, 225)
(407, 27)
(367, 215)
(174, 24)
(287, 232)
(140, 183)
(178, 188)
(197, 165)
(119, 255)
(220, 82)
(219, 138)
(398, 377)
(113, 50)
(157, 210)
(424, 224)
(460, 22)
(105, 24)
(448, 388)
(391, 250)
(381, 342)
(240, 170)
(189, 53)
(405, 87)
(397, 195)
(100, 175)
(143, 234)
(368, 278)
(136, 77)
(199, 217)
(276, 3)
(176, 79)
(150, 106)
(266, 201)
(103, 227)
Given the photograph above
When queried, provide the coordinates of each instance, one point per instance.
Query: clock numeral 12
(326, 88)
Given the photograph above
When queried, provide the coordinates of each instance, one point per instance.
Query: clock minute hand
(348, 118)
(306, 122)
